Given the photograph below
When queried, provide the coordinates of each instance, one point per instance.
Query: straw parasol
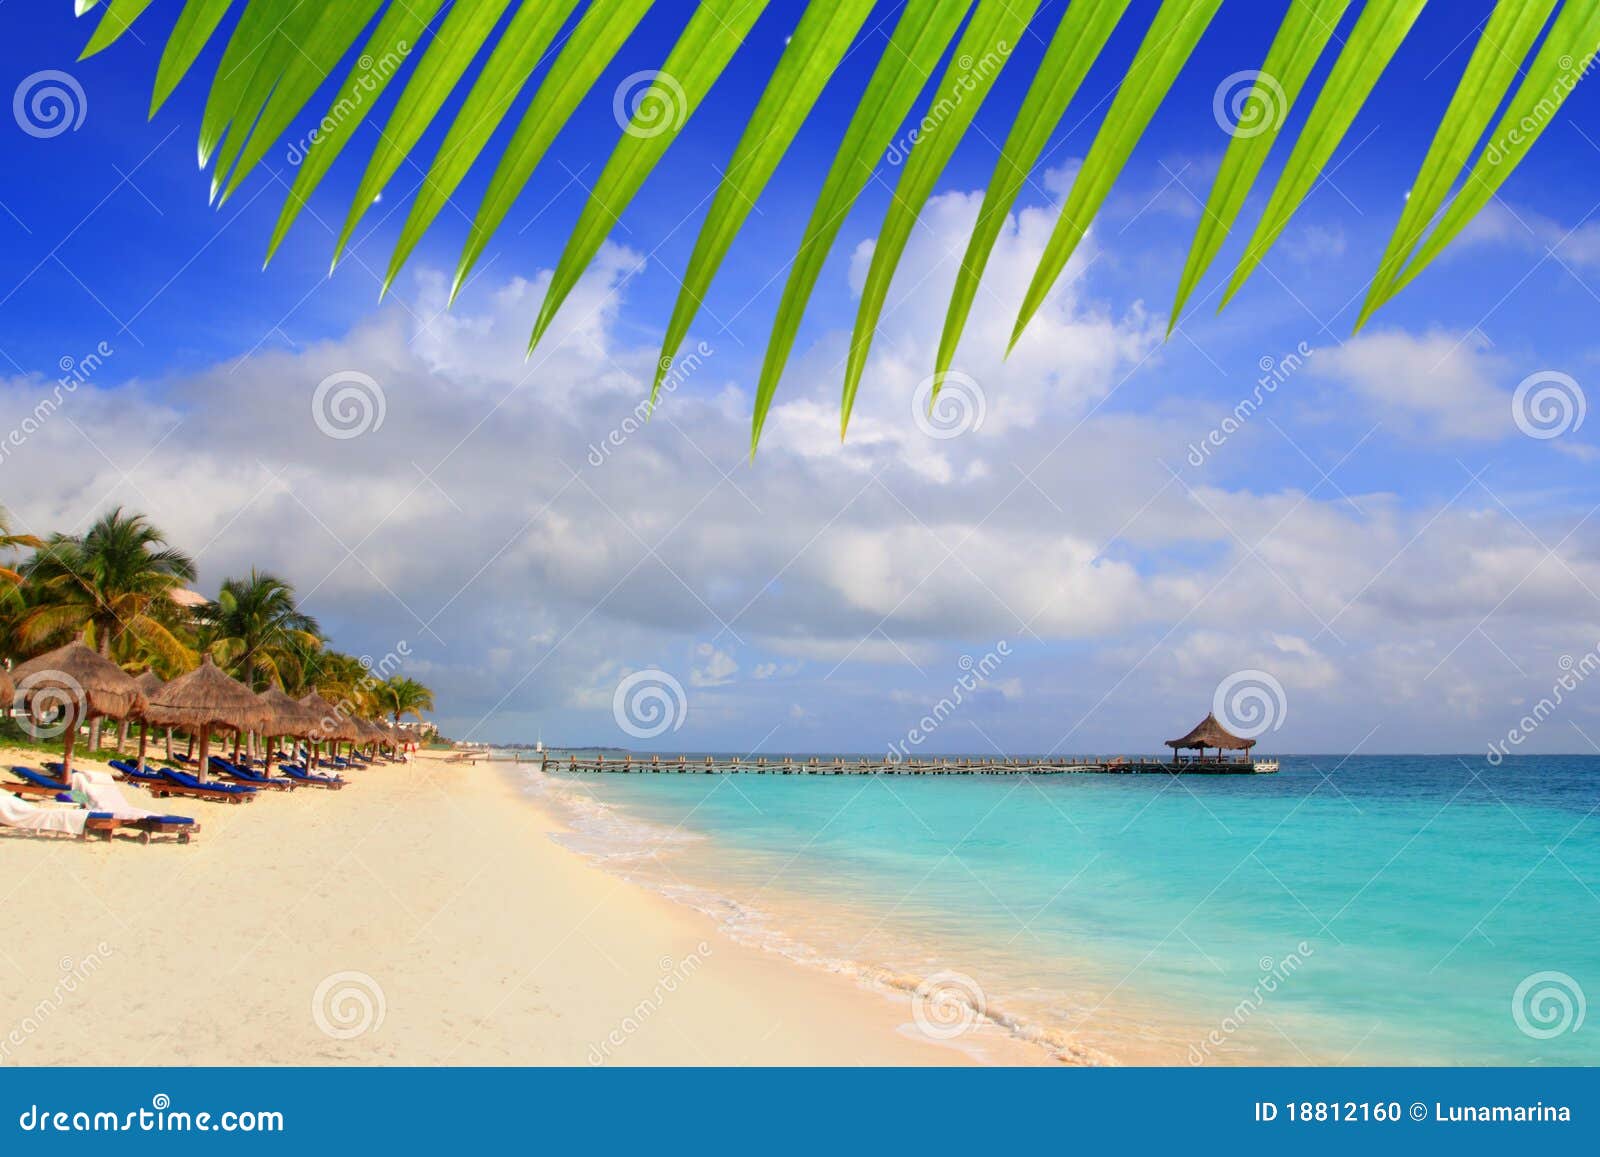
(149, 683)
(289, 717)
(333, 723)
(207, 698)
(8, 689)
(75, 683)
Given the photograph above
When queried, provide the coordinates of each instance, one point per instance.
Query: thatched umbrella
(289, 717)
(79, 682)
(333, 723)
(8, 689)
(149, 683)
(206, 698)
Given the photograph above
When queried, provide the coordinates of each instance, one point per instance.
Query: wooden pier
(817, 765)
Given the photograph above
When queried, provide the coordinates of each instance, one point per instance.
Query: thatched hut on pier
(1208, 733)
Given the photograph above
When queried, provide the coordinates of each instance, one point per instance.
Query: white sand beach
(420, 916)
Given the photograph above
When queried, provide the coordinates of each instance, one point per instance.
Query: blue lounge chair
(249, 776)
(35, 783)
(182, 783)
(301, 775)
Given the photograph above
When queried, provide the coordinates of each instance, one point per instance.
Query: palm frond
(994, 31)
(277, 55)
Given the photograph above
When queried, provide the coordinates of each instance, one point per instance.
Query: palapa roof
(1210, 733)
(289, 715)
(331, 722)
(148, 683)
(80, 674)
(8, 689)
(208, 697)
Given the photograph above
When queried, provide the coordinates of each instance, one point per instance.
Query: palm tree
(112, 585)
(400, 696)
(255, 630)
(275, 61)
(10, 542)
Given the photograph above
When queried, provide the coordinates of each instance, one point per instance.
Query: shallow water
(1374, 909)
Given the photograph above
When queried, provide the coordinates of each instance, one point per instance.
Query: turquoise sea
(1369, 909)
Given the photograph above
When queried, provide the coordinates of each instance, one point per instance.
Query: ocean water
(1360, 910)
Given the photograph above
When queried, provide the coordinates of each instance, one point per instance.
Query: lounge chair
(167, 783)
(301, 775)
(249, 776)
(35, 783)
(105, 796)
(20, 814)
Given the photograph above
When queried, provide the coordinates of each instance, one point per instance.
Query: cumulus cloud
(1437, 385)
(533, 540)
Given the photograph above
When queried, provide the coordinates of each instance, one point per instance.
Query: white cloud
(800, 591)
(1440, 385)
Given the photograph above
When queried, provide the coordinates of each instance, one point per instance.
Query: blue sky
(1379, 538)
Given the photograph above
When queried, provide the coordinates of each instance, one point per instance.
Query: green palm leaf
(527, 37)
(401, 26)
(114, 21)
(464, 31)
(1166, 47)
(278, 54)
(598, 37)
(820, 42)
(708, 43)
(314, 56)
(1563, 60)
(995, 28)
(1079, 37)
(919, 40)
(1506, 41)
(1302, 36)
(1372, 44)
(196, 23)
(254, 39)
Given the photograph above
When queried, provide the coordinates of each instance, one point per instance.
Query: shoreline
(422, 916)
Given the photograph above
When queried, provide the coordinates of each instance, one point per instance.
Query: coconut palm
(10, 542)
(400, 696)
(277, 56)
(256, 632)
(112, 585)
